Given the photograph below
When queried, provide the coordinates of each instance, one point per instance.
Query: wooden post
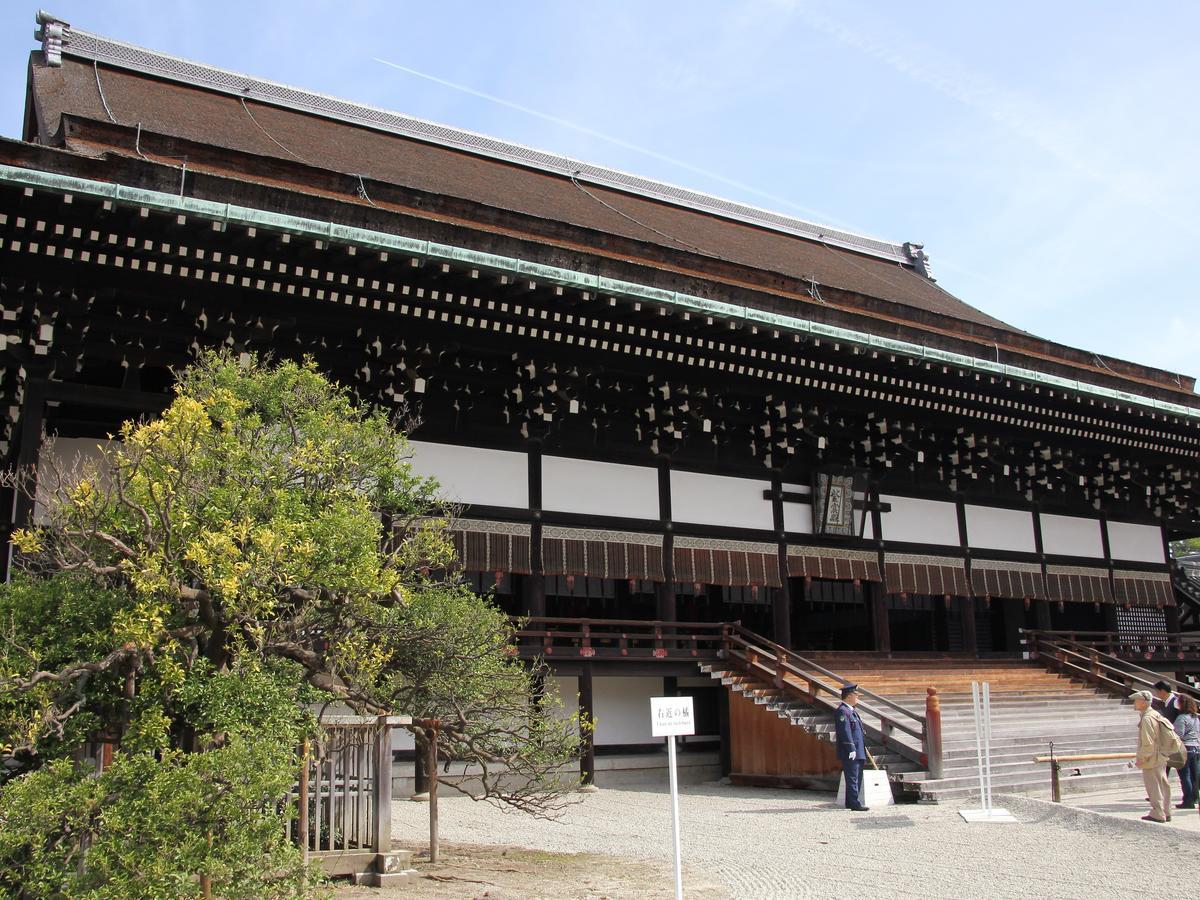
(535, 595)
(933, 732)
(880, 622)
(382, 842)
(969, 636)
(302, 811)
(432, 734)
(1041, 610)
(781, 607)
(420, 768)
(724, 755)
(1055, 784)
(587, 707)
(33, 411)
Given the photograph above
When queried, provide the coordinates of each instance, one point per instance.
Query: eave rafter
(573, 361)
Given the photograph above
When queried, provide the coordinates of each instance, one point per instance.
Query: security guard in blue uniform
(850, 748)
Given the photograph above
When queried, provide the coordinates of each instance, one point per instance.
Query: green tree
(261, 550)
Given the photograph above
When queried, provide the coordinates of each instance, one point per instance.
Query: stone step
(1072, 785)
(1029, 777)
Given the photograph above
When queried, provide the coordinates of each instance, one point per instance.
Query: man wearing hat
(1150, 757)
(850, 748)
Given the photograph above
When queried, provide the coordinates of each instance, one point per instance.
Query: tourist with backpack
(1158, 746)
(1187, 726)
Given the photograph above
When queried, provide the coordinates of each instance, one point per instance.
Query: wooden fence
(344, 794)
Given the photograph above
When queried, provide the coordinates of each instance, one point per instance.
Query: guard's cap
(848, 689)
(1142, 695)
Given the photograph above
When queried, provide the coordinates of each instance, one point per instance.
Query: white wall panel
(1139, 543)
(599, 488)
(623, 709)
(64, 455)
(1072, 536)
(991, 528)
(797, 517)
(475, 475)
(920, 521)
(720, 500)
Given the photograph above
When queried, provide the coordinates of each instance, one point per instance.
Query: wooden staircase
(918, 721)
(815, 722)
(1031, 708)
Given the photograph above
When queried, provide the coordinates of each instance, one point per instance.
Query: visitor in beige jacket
(1150, 758)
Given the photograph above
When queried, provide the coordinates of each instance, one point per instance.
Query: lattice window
(1142, 629)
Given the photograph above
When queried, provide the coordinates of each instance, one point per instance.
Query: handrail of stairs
(1092, 665)
(766, 658)
(1113, 642)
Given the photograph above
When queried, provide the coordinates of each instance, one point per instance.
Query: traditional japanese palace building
(654, 404)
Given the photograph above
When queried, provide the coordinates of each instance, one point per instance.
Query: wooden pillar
(1041, 611)
(382, 842)
(880, 623)
(781, 607)
(420, 765)
(1171, 614)
(587, 706)
(535, 595)
(1014, 621)
(723, 727)
(969, 636)
(664, 592)
(33, 412)
(665, 606)
(781, 597)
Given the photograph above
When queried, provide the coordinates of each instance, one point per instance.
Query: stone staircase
(1031, 708)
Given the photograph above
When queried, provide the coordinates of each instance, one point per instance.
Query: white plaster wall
(568, 692)
(64, 454)
(797, 517)
(1072, 536)
(623, 709)
(920, 521)
(1000, 529)
(599, 488)
(1138, 543)
(475, 475)
(720, 500)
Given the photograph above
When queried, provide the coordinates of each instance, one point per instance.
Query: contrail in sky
(627, 145)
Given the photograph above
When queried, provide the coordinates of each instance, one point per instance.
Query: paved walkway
(1131, 804)
(767, 843)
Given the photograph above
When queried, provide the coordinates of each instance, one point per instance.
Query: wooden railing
(1087, 662)
(618, 639)
(1145, 647)
(900, 729)
(344, 794)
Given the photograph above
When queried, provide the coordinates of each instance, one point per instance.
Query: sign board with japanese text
(671, 716)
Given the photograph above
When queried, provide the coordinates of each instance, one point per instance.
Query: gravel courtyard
(764, 843)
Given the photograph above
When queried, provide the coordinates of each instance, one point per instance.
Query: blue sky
(1046, 153)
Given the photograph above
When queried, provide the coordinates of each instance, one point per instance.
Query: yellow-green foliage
(222, 571)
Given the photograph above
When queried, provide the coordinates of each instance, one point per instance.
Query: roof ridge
(59, 38)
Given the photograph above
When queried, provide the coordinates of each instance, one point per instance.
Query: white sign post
(670, 716)
(981, 706)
